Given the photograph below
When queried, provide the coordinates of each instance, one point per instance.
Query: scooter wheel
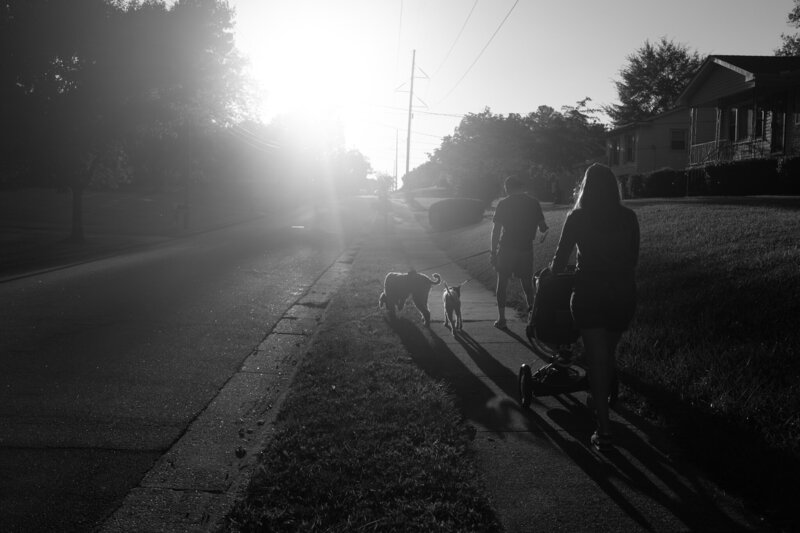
(525, 386)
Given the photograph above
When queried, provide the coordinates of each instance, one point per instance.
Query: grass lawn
(713, 352)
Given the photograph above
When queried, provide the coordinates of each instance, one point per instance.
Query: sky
(352, 59)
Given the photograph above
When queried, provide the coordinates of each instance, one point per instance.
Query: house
(743, 107)
(648, 145)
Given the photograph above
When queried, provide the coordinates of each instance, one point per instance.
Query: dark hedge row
(452, 213)
(735, 178)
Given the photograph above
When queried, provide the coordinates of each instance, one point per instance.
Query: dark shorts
(516, 262)
(600, 301)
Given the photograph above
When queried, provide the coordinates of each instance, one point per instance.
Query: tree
(790, 45)
(89, 83)
(485, 148)
(348, 171)
(428, 174)
(652, 80)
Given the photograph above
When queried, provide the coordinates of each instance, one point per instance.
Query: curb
(196, 483)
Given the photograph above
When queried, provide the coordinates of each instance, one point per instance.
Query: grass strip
(365, 439)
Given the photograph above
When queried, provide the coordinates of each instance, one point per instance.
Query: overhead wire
(481, 52)
(399, 36)
(452, 46)
(405, 110)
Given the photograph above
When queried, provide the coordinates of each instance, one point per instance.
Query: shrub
(454, 213)
(789, 176)
(486, 188)
(744, 177)
(696, 178)
(622, 183)
(635, 186)
(665, 182)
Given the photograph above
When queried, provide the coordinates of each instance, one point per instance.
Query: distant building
(648, 145)
(743, 107)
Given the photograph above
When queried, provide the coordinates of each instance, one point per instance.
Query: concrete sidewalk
(537, 464)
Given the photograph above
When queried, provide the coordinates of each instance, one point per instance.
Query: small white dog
(451, 299)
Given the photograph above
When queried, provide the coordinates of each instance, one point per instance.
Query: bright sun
(322, 61)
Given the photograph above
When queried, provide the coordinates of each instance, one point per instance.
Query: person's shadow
(635, 462)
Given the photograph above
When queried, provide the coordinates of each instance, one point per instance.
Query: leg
(527, 288)
(601, 362)
(612, 342)
(502, 285)
(421, 302)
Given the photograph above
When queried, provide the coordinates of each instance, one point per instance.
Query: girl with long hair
(603, 300)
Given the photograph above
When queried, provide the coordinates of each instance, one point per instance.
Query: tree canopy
(103, 83)
(651, 81)
(485, 148)
(790, 44)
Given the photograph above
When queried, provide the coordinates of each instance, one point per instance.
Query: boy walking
(516, 220)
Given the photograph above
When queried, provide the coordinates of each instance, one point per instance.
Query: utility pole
(396, 144)
(410, 104)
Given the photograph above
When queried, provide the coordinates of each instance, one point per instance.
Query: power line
(481, 52)
(394, 108)
(399, 36)
(452, 46)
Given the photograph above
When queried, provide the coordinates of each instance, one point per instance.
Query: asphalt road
(104, 365)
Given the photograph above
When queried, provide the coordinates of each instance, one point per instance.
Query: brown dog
(397, 287)
(451, 300)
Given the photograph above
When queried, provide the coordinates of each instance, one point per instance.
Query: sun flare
(330, 61)
(319, 60)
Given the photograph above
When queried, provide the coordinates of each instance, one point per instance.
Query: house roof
(752, 68)
(647, 122)
(760, 65)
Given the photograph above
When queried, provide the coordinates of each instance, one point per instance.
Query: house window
(797, 107)
(732, 115)
(761, 118)
(630, 148)
(613, 152)
(778, 119)
(744, 116)
(677, 139)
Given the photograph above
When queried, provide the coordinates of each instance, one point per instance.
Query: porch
(723, 150)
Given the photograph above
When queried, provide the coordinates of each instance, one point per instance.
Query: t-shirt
(609, 248)
(519, 215)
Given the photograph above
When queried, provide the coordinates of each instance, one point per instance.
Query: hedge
(452, 213)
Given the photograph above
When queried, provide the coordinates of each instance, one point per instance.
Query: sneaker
(601, 443)
(500, 324)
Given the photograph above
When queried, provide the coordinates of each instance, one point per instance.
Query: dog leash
(455, 261)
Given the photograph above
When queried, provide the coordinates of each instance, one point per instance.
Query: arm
(566, 243)
(543, 229)
(542, 225)
(496, 229)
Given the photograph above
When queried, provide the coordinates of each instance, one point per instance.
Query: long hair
(599, 192)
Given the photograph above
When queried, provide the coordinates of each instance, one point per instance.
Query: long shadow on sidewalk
(636, 468)
(474, 397)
